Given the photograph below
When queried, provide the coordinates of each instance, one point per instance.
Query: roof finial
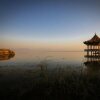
(95, 33)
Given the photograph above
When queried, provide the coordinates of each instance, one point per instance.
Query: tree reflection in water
(6, 57)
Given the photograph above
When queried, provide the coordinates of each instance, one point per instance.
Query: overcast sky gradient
(48, 24)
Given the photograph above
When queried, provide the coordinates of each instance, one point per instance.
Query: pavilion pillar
(99, 49)
(87, 50)
(99, 52)
(95, 50)
(91, 49)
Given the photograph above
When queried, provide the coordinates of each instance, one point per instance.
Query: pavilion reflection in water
(92, 62)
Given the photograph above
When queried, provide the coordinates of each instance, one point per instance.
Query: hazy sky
(48, 24)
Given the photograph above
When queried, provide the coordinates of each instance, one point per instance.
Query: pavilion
(93, 48)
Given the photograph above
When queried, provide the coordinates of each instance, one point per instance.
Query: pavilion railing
(92, 50)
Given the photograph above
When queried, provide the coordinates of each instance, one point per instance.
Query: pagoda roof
(95, 40)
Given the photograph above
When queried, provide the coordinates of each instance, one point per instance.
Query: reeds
(53, 84)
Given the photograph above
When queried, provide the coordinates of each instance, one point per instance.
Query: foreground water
(48, 76)
(27, 62)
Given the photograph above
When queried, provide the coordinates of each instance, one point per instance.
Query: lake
(31, 58)
(25, 61)
(31, 74)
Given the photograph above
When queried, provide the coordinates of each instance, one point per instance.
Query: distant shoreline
(44, 51)
(65, 51)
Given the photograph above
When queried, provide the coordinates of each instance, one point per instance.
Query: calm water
(32, 58)
(28, 74)
(29, 63)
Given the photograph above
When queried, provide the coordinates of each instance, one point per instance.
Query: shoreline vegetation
(6, 54)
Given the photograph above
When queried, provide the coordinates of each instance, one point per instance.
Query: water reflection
(6, 57)
(92, 65)
(29, 58)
